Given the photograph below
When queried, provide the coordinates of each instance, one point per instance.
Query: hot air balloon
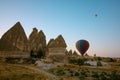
(96, 15)
(82, 46)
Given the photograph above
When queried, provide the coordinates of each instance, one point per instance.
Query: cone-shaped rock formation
(58, 42)
(17, 37)
(37, 41)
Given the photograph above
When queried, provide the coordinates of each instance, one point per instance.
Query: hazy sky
(74, 19)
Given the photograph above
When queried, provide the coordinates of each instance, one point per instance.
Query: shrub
(77, 61)
(87, 64)
(80, 61)
(76, 74)
(103, 76)
(99, 63)
(83, 72)
(82, 77)
(60, 72)
(72, 74)
(73, 61)
(95, 75)
(114, 76)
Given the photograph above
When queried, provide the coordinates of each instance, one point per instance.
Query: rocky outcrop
(66, 52)
(33, 35)
(16, 37)
(50, 43)
(70, 52)
(58, 42)
(15, 40)
(6, 46)
(57, 46)
(42, 40)
(56, 49)
(75, 53)
(32, 39)
(37, 41)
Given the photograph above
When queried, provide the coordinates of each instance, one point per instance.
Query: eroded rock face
(32, 39)
(6, 46)
(37, 41)
(16, 40)
(58, 42)
(17, 37)
(57, 46)
(42, 40)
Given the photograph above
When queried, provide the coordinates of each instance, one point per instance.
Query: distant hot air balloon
(82, 46)
(96, 15)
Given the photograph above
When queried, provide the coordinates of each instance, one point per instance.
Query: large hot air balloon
(82, 46)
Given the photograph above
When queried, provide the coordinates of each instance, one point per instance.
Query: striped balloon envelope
(82, 46)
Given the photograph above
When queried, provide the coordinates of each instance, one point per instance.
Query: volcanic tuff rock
(70, 52)
(51, 41)
(58, 42)
(56, 48)
(6, 46)
(17, 37)
(75, 53)
(32, 39)
(33, 35)
(37, 40)
(15, 40)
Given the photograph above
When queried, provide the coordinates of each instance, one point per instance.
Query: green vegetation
(86, 73)
(77, 61)
(99, 63)
(114, 76)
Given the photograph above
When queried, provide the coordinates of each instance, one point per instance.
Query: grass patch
(12, 72)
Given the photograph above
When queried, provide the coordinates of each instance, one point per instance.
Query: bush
(111, 60)
(72, 74)
(80, 62)
(84, 73)
(87, 64)
(103, 76)
(99, 63)
(82, 77)
(60, 72)
(76, 74)
(114, 76)
(77, 61)
(95, 75)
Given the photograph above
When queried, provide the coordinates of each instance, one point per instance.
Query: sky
(73, 19)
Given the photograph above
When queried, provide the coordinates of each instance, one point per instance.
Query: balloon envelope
(82, 46)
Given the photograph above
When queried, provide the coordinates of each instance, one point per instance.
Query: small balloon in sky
(96, 15)
(82, 46)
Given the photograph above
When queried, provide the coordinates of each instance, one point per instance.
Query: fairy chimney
(32, 39)
(16, 36)
(57, 46)
(37, 41)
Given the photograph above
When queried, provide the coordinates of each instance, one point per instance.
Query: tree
(99, 63)
(81, 61)
(40, 53)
